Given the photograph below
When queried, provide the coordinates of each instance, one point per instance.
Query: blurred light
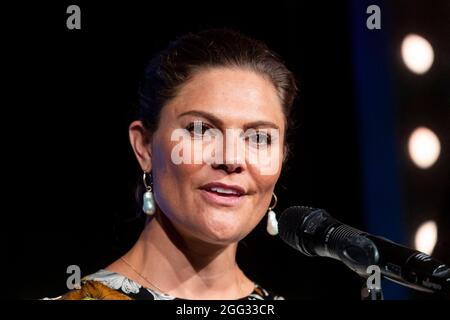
(426, 237)
(417, 53)
(424, 147)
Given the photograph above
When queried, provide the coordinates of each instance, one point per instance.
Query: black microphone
(314, 232)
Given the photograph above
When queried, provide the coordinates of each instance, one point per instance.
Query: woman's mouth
(223, 195)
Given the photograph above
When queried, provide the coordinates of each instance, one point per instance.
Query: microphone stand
(368, 293)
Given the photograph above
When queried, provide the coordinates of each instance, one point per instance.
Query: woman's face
(211, 191)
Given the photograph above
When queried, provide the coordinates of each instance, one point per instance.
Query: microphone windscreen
(290, 221)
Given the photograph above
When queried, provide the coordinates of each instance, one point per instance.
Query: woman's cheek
(266, 162)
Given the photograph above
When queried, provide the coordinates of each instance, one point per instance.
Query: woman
(204, 95)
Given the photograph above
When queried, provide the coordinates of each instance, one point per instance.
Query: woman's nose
(232, 159)
(229, 168)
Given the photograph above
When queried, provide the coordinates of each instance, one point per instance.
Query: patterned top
(108, 285)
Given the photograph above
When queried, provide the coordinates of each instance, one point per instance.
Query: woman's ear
(141, 143)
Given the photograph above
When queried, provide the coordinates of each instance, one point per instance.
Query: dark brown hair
(194, 52)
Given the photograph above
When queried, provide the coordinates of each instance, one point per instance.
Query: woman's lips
(224, 188)
(228, 200)
(218, 193)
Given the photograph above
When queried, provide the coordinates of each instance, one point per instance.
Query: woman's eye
(197, 129)
(260, 138)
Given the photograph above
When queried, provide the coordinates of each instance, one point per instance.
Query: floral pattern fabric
(108, 285)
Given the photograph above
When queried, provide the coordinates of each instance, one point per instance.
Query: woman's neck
(183, 267)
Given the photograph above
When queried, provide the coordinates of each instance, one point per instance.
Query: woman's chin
(223, 233)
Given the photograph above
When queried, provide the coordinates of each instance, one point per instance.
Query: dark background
(73, 171)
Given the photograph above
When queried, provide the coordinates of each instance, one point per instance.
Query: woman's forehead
(229, 94)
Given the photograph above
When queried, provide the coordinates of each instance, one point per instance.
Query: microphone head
(314, 232)
(289, 223)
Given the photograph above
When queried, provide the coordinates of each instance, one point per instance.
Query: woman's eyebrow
(216, 121)
(261, 123)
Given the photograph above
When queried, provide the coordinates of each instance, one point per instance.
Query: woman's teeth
(224, 191)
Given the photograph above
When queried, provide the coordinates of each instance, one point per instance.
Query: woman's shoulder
(109, 285)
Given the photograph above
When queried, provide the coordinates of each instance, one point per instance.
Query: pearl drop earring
(148, 203)
(272, 223)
